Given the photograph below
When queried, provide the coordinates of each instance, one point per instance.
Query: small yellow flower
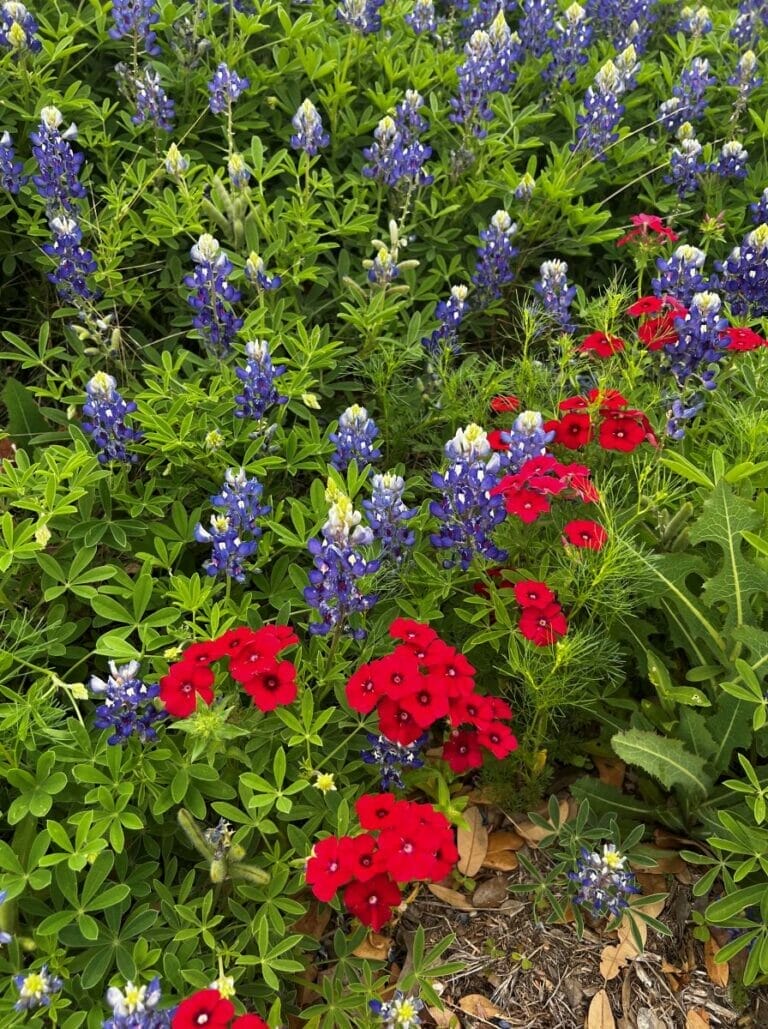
(310, 399)
(43, 535)
(325, 782)
(214, 440)
(172, 653)
(225, 984)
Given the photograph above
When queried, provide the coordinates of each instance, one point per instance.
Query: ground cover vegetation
(385, 427)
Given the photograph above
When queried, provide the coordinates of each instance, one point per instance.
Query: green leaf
(728, 907)
(730, 727)
(665, 759)
(24, 417)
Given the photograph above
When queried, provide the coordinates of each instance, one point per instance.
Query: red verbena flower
(645, 305)
(428, 703)
(471, 710)
(206, 1009)
(743, 339)
(530, 593)
(376, 810)
(444, 661)
(204, 653)
(272, 685)
(234, 639)
(181, 687)
(364, 690)
(329, 867)
(397, 675)
(397, 723)
(498, 738)
(646, 227)
(462, 751)
(543, 625)
(412, 633)
(585, 533)
(602, 344)
(364, 857)
(404, 848)
(503, 405)
(249, 1022)
(573, 430)
(525, 503)
(621, 432)
(372, 901)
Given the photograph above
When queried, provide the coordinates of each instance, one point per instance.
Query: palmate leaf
(667, 760)
(724, 518)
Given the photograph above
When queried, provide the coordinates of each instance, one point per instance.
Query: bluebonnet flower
(240, 505)
(623, 21)
(687, 103)
(18, 29)
(105, 411)
(507, 51)
(126, 707)
(760, 209)
(175, 162)
(422, 17)
(394, 758)
(699, 342)
(384, 269)
(746, 29)
(604, 882)
(228, 550)
(258, 382)
(225, 88)
(572, 36)
(11, 179)
(525, 188)
(35, 989)
(745, 78)
(212, 295)
(556, 294)
(58, 164)
(152, 102)
(309, 135)
(681, 412)
(746, 274)
(695, 21)
(466, 510)
(239, 173)
(627, 67)
(339, 564)
(399, 1013)
(255, 273)
(240, 500)
(597, 127)
(4, 936)
(537, 21)
(135, 1007)
(450, 314)
(495, 256)
(388, 516)
(731, 162)
(478, 77)
(361, 15)
(526, 439)
(397, 154)
(680, 274)
(74, 262)
(354, 439)
(686, 165)
(135, 18)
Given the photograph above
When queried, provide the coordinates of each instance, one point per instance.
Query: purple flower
(731, 162)
(495, 256)
(309, 135)
(487, 68)
(688, 102)
(256, 274)
(35, 989)
(680, 274)
(228, 550)
(686, 165)
(467, 512)
(258, 382)
(11, 179)
(525, 188)
(383, 268)
(746, 274)
(401, 1012)
(536, 23)
(18, 29)
(397, 155)
(354, 439)
(212, 295)
(361, 15)
(604, 883)
(135, 18)
(388, 516)
(240, 505)
(152, 102)
(240, 500)
(105, 411)
(573, 35)
(422, 17)
(393, 759)
(74, 262)
(135, 1007)
(556, 293)
(681, 412)
(239, 173)
(602, 112)
(760, 209)
(58, 164)
(225, 88)
(526, 439)
(745, 79)
(747, 28)
(699, 343)
(126, 707)
(694, 21)
(623, 22)
(450, 314)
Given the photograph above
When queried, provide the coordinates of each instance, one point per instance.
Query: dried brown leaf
(449, 896)
(479, 1006)
(501, 861)
(444, 1019)
(611, 771)
(718, 973)
(374, 947)
(697, 1018)
(668, 862)
(614, 958)
(472, 843)
(504, 840)
(490, 894)
(600, 1015)
(533, 834)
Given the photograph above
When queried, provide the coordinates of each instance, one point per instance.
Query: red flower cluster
(659, 330)
(423, 681)
(542, 620)
(207, 1009)
(649, 229)
(528, 492)
(253, 662)
(503, 405)
(404, 842)
(604, 416)
(743, 339)
(601, 344)
(585, 533)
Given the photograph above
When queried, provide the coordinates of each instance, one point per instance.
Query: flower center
(333, 867)
(186, 687)
(373, 899)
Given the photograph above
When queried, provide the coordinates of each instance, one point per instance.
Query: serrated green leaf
(667, 760)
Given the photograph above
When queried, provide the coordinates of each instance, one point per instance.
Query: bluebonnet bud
(388, 515)
(238, 172)
(573, 34)
(627, 67)
(309, 135)
(228, 550)
(699, 342)
(688, 102)
(258, 382)
(74, 262)
(422, 17)
(467, 512)
(731, 162)
(597, 127)
(680, 274)
(354, 439)
(760, 209)
(397, 154)
(58, 164)
(695, 21)
(11, 179)
(384, 268)
(212, 294)
(152, 102)
(525, 188)
(126, 707)
(361, 15)
(686, 165)
(175, 162)
(240, 500)
(225, 88)
(105, 411)
(35, 989)
(450, 314)
(556, 293)
(393, 759)
(256, 274)
(334, 589)
(135, 1007)
(605, 885)
(135, 18)
(507, 52)
(18, 29)
(745, 78)
(681, 412)
(537, 20)
(526, 439)
(495, 256)
(746, 274)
